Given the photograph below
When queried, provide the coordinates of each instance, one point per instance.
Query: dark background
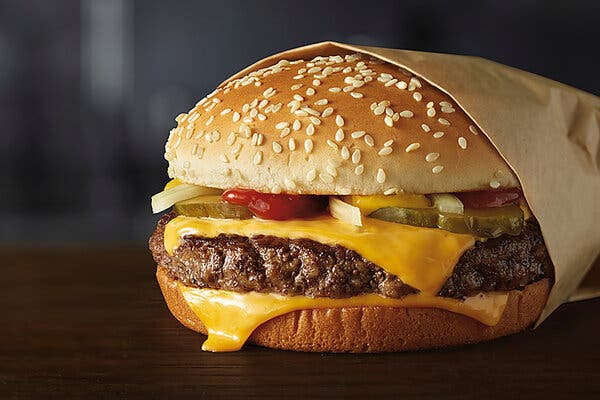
(89, 89)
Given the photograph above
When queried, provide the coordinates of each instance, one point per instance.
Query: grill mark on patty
(291, 267)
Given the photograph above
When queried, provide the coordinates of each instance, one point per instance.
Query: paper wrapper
(548, 133)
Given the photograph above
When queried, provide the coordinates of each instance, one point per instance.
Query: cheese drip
(423, 258)
(230, 317)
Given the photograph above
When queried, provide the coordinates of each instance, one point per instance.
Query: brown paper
(548, 132)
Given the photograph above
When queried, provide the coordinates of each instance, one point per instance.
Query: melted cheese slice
(423, 258)
(230, 317)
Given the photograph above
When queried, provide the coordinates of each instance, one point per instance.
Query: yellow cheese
(423, 258)
(231, 317)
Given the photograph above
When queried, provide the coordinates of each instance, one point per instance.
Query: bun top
(342, 124)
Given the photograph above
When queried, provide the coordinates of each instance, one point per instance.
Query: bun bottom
(374, 329)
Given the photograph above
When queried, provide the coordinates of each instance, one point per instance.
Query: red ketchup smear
(276, 206)
(490, 198)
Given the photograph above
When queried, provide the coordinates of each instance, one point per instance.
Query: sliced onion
(447, 203)
(165, 199)
(345, 212)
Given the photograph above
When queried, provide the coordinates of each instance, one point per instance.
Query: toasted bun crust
(374, 329)
(374, 133)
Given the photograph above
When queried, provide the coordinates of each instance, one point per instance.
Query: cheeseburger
(343, 204)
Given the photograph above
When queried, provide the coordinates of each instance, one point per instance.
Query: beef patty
(305, 267)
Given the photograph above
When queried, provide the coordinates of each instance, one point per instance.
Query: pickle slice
(488, 222)
(425, 217)
(211, 207)
(493, 222)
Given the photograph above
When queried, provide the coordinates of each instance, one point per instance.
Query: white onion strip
(345, 212)
(165, 199)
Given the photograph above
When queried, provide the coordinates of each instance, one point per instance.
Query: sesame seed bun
(374, 329)
(345, 124)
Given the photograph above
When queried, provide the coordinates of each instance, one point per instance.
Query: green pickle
(488, 222)
(211, 207)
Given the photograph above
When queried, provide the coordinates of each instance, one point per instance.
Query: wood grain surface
(91, 323)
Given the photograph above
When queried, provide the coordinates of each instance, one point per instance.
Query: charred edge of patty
(291, 267)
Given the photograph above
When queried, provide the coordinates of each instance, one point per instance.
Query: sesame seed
(277, 148)
(308, 146)
(369, 140)
(430, 104)
(314, 70)
(299, 76)
(284, 132)
(356, 95)
(327, 112)
(462, 142)
(253, 113)
(431, 157)
(301, 113)
(321, 102)
(195, 149)
(331, 170)
(473, 129)
(339, 135)
(358, 83)
(236, 149)
(316, 82)
(380, 175)
(389, 112)
(210, 120)
(388, 121)
(310, 91)
(412, 147)
(389, 143)
(438, 135)
(311, 175)
(356, 156)
(296, 86)
(335, 89)
(345, 153)
(292, 144)
(326, 178)
(444, 121)
(391, 82)
(348, 88)
(425, 127)
(236, 116)
(298, 97)
(359, 169)
(257, 159)
(437, 169)
(389, 191)
(373, 106)
(296, 125)
(332, 144)
(448, 110)
(225, 111)
(358, 134)
(315, 120)
(417, 96)
(269, 92)
(431, 112)
(407, 114)
(445, 104)
(310, 130)
(395, 117)
(401, 85)
(248, 120)
(339, 120)
(282, 125)
(262, 117)
(379, 110)
(231, 138)
(494, 184)
(385, 151)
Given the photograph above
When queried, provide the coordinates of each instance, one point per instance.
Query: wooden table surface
(91, 323)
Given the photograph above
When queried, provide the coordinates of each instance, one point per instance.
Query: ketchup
(490, 198)
(276, 206)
